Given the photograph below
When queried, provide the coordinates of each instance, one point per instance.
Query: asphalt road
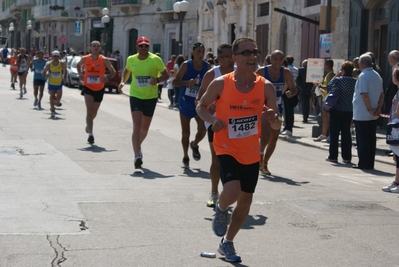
(66, 203)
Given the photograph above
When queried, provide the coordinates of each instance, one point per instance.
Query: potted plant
(64, 13)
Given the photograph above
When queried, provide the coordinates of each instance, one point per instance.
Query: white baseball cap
(55, 53)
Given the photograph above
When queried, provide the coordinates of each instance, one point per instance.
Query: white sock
(225, 240)
(220, 208)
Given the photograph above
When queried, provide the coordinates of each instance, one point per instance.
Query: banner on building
(325, 44)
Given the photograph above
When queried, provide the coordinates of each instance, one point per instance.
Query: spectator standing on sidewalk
(145, 68)
(393, 59)
(171, 63)
(328, 69)
(305, 91)
(179, 60)
(189, 79)
(341, 114)
(226, 65)
(170, 87)
(394, 116)
(289, 102)
(367, 103)
(240, 97)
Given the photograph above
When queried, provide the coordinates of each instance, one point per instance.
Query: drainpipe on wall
(328, 17)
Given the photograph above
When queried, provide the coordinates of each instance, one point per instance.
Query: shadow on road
(148, 174)
(254, 220)
(196, 173)
(95, 149)
(279, 179)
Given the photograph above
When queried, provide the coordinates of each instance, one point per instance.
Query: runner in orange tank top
(94, 79)
(240, 98)
(13, 68)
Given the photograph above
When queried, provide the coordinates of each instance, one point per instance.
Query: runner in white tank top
(226, 65)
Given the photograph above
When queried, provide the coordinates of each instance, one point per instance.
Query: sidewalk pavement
(302, 134)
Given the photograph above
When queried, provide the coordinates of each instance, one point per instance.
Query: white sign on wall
(78, 28)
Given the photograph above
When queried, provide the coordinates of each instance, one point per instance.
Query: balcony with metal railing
(42, 12)
(25, 4)
(166, 6)
(126, 3)
(94, 4)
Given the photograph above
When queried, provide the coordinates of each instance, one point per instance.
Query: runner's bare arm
(46, 68)
(80, 64)
(206, 80)
(213, 92)
(272, 113)
(64, 70)
(291, 85)
(177, 81)
(164, 76)
(261, 71)
(125, 76)
(111, 69)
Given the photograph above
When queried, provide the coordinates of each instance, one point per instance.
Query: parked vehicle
(114, 82)
(72, 72)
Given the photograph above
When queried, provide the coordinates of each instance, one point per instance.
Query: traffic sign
(62, 39)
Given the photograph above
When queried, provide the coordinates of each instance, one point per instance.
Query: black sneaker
(186, 163)
(59, 104)
(196, 153)
(90, 140)
(138, 162)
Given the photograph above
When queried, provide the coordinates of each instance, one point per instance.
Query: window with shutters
(264, 9)
(312, 3)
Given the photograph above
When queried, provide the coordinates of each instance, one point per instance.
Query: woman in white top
(178, 61)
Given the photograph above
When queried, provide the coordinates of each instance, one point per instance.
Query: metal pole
(328, 17)
(28, 48)
(181, 17)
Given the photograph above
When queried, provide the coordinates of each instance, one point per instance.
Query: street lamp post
(11, 30)
(29, 28)
(181, 9)
(105, 20)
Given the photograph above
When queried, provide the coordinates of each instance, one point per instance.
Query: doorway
(133, 35)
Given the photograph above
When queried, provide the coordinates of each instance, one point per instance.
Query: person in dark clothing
(305, 90)
(393, 59)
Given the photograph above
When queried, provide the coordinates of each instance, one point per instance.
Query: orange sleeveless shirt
(94, 73)
(242, 115)
(13, 65)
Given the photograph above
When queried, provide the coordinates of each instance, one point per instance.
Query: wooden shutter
(262, 39)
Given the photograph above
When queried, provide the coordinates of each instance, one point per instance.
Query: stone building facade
(360, 25)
